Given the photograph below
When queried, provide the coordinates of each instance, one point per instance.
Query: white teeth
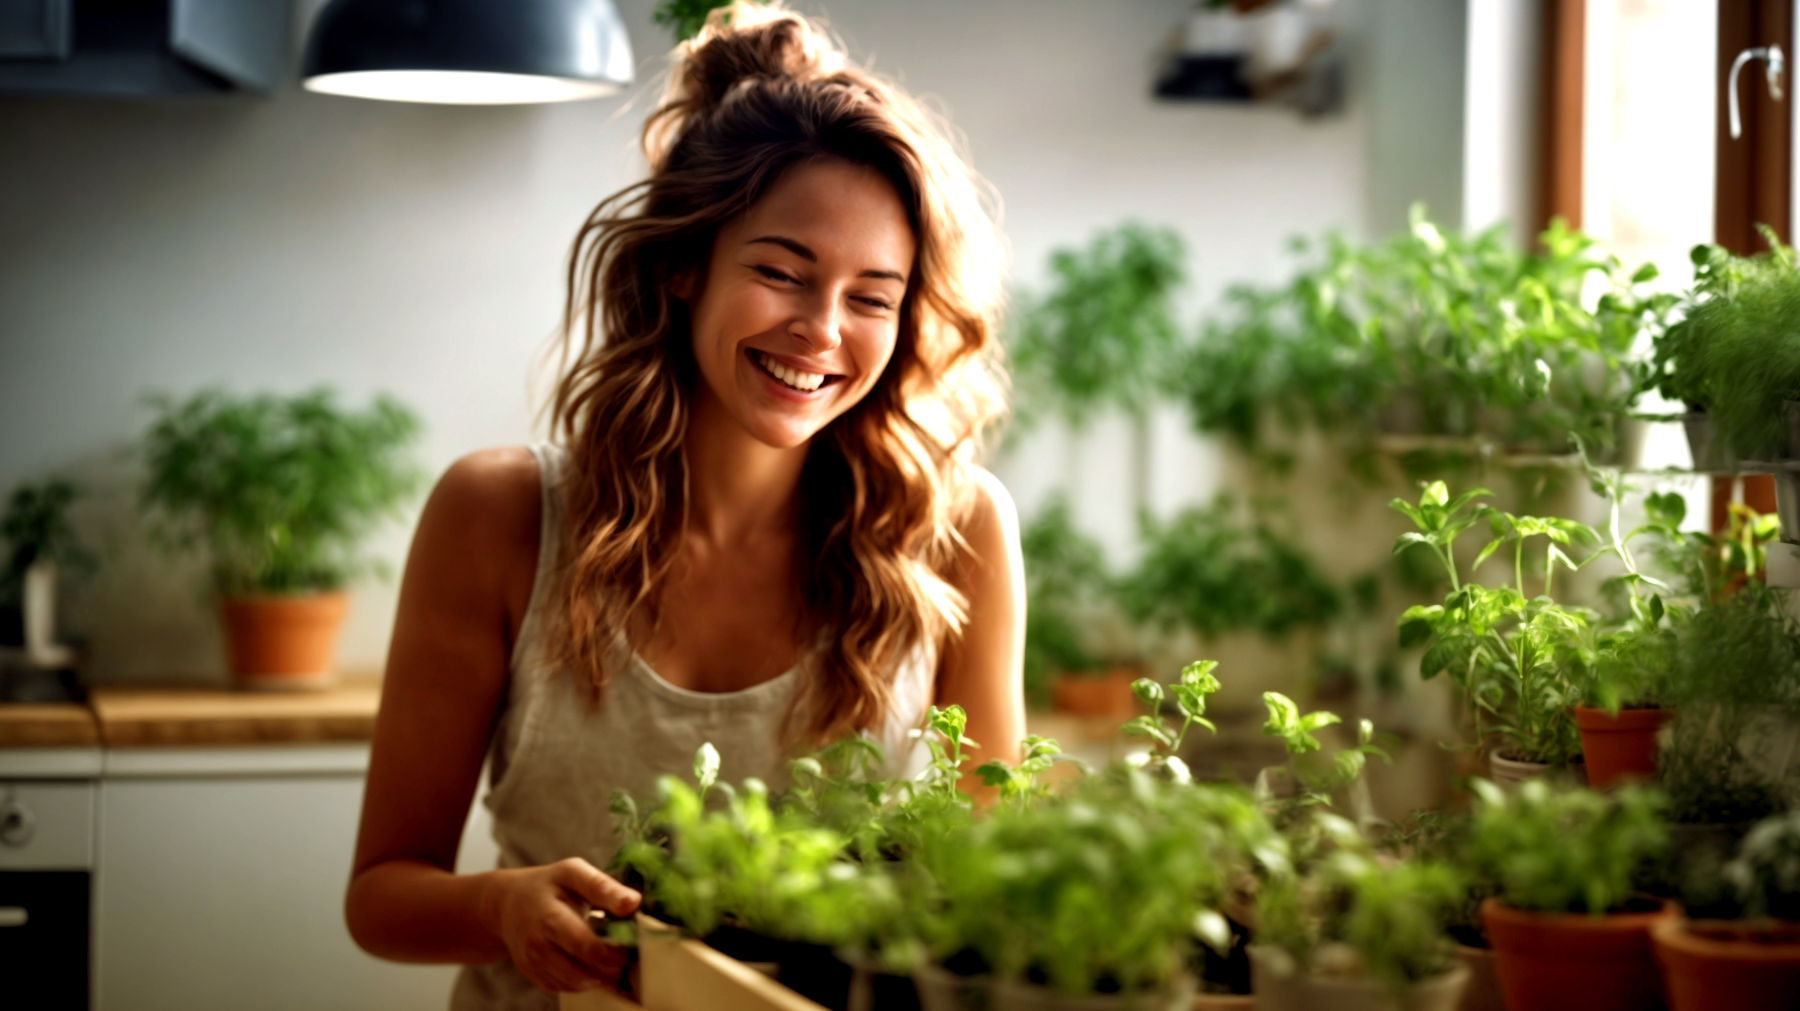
(803, 381)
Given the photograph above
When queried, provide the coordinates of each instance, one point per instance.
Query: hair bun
(741, 44)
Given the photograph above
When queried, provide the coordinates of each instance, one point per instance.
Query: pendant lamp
(468, 52)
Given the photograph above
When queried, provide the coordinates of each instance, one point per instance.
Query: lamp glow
(457, 87)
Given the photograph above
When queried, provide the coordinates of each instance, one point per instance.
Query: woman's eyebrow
(800, 250)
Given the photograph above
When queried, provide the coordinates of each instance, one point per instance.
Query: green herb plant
(1317, 779)
(1210, 573)
(1512, 655)
(1568, 851)
(1766, 872)
(1735, 673)
(1190, 692)
(1353, 914)
(278, 491)
(1733, 355)
(1104, 335)
(1434, 334)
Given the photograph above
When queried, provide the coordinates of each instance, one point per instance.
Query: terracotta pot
(283, 643)
(1710, 964)
(1103, 694)
(1620, 748)
(1279, 988)
(1573, 961)
(1483, 991)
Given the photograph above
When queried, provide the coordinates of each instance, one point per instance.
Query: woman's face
(801, 305)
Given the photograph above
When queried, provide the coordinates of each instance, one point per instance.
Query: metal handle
(1777, 61)
(14, 916)
(17, 824)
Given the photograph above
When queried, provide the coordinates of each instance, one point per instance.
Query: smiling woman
(760, 528)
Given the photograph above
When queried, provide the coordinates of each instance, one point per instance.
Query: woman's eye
(775, 275)
(874, 303)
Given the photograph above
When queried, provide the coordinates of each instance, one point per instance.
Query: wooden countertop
(47, 726)
(136, 716)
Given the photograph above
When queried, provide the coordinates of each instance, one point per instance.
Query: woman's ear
(685, 284)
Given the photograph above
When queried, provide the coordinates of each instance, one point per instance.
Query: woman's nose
(818, 326)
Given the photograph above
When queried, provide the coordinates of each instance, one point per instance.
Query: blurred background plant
(278, 492)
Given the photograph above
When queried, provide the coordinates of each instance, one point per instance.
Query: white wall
(284, 242)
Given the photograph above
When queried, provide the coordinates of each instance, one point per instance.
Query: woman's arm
(983, 669)
(467, 584)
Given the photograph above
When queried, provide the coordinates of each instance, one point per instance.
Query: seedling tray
(680, 974)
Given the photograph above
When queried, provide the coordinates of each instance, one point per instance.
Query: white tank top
(555, 759)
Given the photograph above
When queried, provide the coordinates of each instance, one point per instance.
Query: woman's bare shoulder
(990, 525)
(485, 511)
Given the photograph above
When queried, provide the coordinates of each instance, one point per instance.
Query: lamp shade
(468, 52)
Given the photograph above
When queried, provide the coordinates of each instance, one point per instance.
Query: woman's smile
(790, 376)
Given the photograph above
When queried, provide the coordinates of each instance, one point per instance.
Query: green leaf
(1148, 692)
(1414, 633)
(1435, 493)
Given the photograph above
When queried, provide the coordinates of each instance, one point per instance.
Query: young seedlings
(1190, 692)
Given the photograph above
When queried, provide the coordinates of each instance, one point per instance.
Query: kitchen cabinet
(220, 883)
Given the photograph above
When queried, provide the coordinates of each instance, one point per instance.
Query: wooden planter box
(681, 974)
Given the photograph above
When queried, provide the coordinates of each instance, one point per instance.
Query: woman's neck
(739, 488)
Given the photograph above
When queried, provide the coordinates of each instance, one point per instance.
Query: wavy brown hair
(759, 91)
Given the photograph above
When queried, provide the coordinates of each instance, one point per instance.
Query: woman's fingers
(550, 968)
(600, 890)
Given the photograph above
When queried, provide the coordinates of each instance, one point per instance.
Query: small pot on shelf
(1483, 991)
(1102, 693)
(1703, 443)
(1510, 772)
(1742, 965)
(1279, 987)
(1018, 995)
(1619, 748)
(284, 643)
(1575, 961)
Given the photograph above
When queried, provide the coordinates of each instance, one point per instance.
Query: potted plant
(1511, 654)
(1735, 677)
(1621, 680)
(1566, 928)
(1753, 963)
(1433, 345)
(1353, 932)
(1733, 356)
(1066, 599)
(38, 537)
(1214, 575)
(278, 492)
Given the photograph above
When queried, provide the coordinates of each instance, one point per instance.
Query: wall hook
(1776, 62)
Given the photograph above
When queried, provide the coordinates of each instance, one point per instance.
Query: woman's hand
(541, 915)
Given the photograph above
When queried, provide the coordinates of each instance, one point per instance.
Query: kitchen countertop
(55, 725)
(134, 716)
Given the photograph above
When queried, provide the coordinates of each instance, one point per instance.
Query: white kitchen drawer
(46, 826)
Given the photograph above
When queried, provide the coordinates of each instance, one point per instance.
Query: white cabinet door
(227, 893)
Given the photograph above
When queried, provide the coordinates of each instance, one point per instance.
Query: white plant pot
(1510, 772)
(1013, 995)
(41, 649)
(1279, 987)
